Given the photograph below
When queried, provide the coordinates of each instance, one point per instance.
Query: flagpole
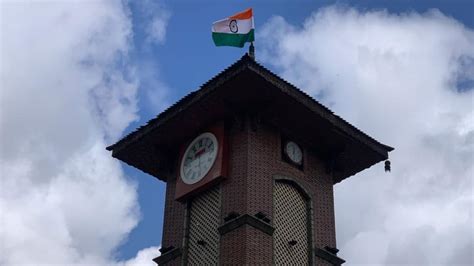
(252, 51)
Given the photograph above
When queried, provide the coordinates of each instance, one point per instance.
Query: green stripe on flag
(232, 39)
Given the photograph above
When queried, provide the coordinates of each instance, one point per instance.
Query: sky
(76, 76)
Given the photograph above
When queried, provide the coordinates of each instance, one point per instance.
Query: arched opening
(292, 222)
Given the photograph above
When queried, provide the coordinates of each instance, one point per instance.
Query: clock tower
(249, 162)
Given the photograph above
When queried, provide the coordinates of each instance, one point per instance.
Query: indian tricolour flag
(235, 30)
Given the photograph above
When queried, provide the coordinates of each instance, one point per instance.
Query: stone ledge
(246, 219)
(329, 257)
(168, 256)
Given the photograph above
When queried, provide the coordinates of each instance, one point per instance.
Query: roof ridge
(245, 62)
(150, 123)
(334, 115)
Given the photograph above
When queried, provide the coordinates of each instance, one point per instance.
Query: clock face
(294, 153)
(198, 158)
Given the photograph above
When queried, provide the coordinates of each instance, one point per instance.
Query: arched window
(292, 222)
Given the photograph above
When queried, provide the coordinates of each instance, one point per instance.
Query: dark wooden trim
(243, 64)
(134, 148)
(246, 219)
(329, 257)
(168, 256)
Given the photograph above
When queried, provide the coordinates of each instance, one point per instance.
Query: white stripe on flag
(243, 25)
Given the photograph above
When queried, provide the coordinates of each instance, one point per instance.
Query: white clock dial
(293, 151)
(199, 158)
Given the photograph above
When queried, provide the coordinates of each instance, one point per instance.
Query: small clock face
(294, 153)
(199, 158)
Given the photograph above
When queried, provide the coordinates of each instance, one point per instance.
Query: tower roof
(247, 87)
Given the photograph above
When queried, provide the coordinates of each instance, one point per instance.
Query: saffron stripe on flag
(247, 14)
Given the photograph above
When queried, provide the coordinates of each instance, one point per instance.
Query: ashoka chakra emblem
(233, 26)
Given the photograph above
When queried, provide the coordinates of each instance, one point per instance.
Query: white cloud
(156, 91)
(157, 29)
(404, 79)
(156, 19)
(67, 90)
(144, 257)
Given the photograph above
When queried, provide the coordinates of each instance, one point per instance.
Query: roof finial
(252, 51)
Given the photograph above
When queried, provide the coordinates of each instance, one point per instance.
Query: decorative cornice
(328, 256)
(246, 219)
(168, 256)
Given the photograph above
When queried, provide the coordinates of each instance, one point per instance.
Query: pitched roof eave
(246, 63)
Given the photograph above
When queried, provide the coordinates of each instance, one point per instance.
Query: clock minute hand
(200, 152)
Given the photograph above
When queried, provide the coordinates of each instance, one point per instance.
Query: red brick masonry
(255, 161)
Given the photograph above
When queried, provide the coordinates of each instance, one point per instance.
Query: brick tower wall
(174, 219)
(254, 161)
(264, 161)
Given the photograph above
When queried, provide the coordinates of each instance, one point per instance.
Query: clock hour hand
(200, 152)
(199, 163)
